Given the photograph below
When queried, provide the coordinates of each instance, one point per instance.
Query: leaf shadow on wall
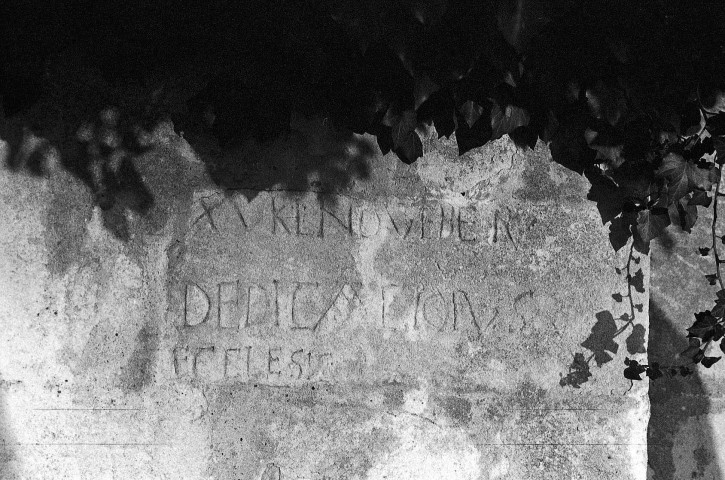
(673, 403)
(309, 157)
(602, 344)
(113, 163)
(604, 340)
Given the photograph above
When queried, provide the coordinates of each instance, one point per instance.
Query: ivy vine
(629, 94)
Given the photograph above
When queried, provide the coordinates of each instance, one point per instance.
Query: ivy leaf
(704, 324)
(424, 88)
(711, 278)
(690, 351)
(620, 232)
(716, 126)
(476, 135)
(608, 196)
(639, 307)
(568, 148)
(507, 119)
(719, 143)
(712, 99)
(703, 147)
(440, 110)
(718, 332)
(526, 136)
(617, 297)
(708, 362)
(684, 176)
(471, 112)
(651, 223)
(637, 281)
(406, 142)
(633, 370)
(700, 197)
(608, 144)
(472, 137)
(673, 168)
(683, 214)
(719, 310)
(692, 119)
(653, 371)
(704, 251)
(383, 135)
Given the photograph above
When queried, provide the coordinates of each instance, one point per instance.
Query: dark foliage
(629, 94)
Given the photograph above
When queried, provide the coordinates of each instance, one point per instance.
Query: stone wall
(312, 309)
(686, 433)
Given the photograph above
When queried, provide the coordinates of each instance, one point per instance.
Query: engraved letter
(302, 304)
(323, 367)
(236, 362)
(183, 362)
(495, 232)
(427, 223)
(340, 308)
(273, 360)
(347, 218)
(435, 310)
(463, 316)
(206, 365)
(300, 210)
(464, 228)
(228, 304)
(398, 312)
(206, 213)
(447, 224)
(399, 229)
(276, 218)
(259, 305)
(196, 305)
(272, 472)
(366, 232)
(297, 363)
(239, 213)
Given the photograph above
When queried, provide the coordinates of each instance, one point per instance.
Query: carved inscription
(249, 363)
(296, 306)
(277, 310)
(289, 305)
(242, 332)
(341, 216)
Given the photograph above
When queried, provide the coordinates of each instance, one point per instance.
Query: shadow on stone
(674, 402)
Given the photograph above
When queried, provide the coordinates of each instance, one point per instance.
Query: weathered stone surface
(371, 320)
(686, 433)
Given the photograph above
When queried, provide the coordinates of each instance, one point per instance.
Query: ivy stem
(629, 291)
(714, 231)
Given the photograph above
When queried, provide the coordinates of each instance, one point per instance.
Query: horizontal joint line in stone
(561, 444)
(87, 409)
(88, 444)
